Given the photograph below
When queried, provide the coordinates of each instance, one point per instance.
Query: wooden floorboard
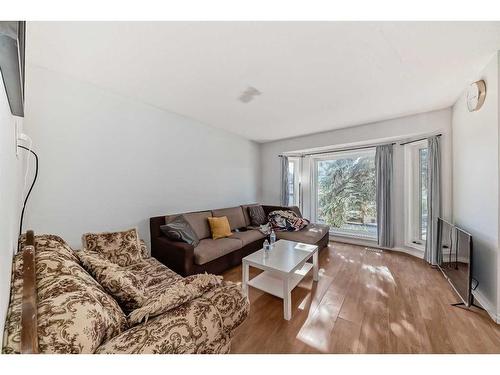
(366, 301)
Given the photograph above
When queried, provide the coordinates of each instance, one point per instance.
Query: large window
(293, 181)
(344, 193)
(416, 191)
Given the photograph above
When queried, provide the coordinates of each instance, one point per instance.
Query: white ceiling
(312, 76)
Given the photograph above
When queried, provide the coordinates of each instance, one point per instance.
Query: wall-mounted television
(12, 41)
(455, 259)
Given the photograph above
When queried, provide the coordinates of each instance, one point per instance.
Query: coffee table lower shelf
(272, 283)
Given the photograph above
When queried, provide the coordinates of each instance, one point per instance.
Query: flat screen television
(12, 40)
(455, 259)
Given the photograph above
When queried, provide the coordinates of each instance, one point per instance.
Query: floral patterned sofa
(77, 314)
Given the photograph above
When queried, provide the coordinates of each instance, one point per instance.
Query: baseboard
(413, 252)
(485, 303)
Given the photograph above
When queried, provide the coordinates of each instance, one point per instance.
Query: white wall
(475, 182)
(108, 162)
(425, 123)
(10, 197)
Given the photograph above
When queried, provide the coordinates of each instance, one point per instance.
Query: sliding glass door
(343, 190)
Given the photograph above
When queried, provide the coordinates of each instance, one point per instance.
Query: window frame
(314, 187)
(413, 195)
(296, 161)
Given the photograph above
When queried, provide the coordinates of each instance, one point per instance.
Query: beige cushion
(122, 248)
(310, 234)
(233, 214)
(248, 221)
(209, 249)
(127, 287)
(183, 291)
(249, 236)
(199, 223)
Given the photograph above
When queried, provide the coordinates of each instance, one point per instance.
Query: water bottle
(266, 245)
(272, 238)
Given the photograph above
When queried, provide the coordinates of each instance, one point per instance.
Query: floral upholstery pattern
(144, 249)
(203, 325)
(125, 286)
(175, 295)
(194, 327)
(131, 286)
(75, 315)
(122, 248)
(231, 304)
(155, 275)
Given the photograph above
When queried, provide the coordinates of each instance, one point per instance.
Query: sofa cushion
(310, 234)
(246, 214)
(183, 291)
(248, 236)
(209, 249)
(154, 275)
(180, 230)
(124, 285)
(122, 248)
(257, 216)
(234, 216)
(219, 226)
(194, 327)
(199, 223)
(75, 314)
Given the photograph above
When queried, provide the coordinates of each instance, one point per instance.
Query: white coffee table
(284, 267)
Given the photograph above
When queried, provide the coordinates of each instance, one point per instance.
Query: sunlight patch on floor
(304, 302)
(382, 271)
(316, 330)
(378, 289)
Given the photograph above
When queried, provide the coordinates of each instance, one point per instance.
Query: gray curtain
(384, 182)
(284, 181)
(433, 198)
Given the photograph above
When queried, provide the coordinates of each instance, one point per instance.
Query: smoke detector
(248, 95)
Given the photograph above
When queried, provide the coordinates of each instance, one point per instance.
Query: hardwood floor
(366, 301)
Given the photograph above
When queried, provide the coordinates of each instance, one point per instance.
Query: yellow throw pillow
(219, 226)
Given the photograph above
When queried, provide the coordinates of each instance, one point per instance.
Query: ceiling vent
(248, 95)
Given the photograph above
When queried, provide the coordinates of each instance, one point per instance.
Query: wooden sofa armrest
(178, 256)
(29, 325)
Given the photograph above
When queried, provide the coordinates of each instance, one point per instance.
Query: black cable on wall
(31, 187)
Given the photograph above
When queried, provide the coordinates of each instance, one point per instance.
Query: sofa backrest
(198, 221)
(71, 304)
(234, 216)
